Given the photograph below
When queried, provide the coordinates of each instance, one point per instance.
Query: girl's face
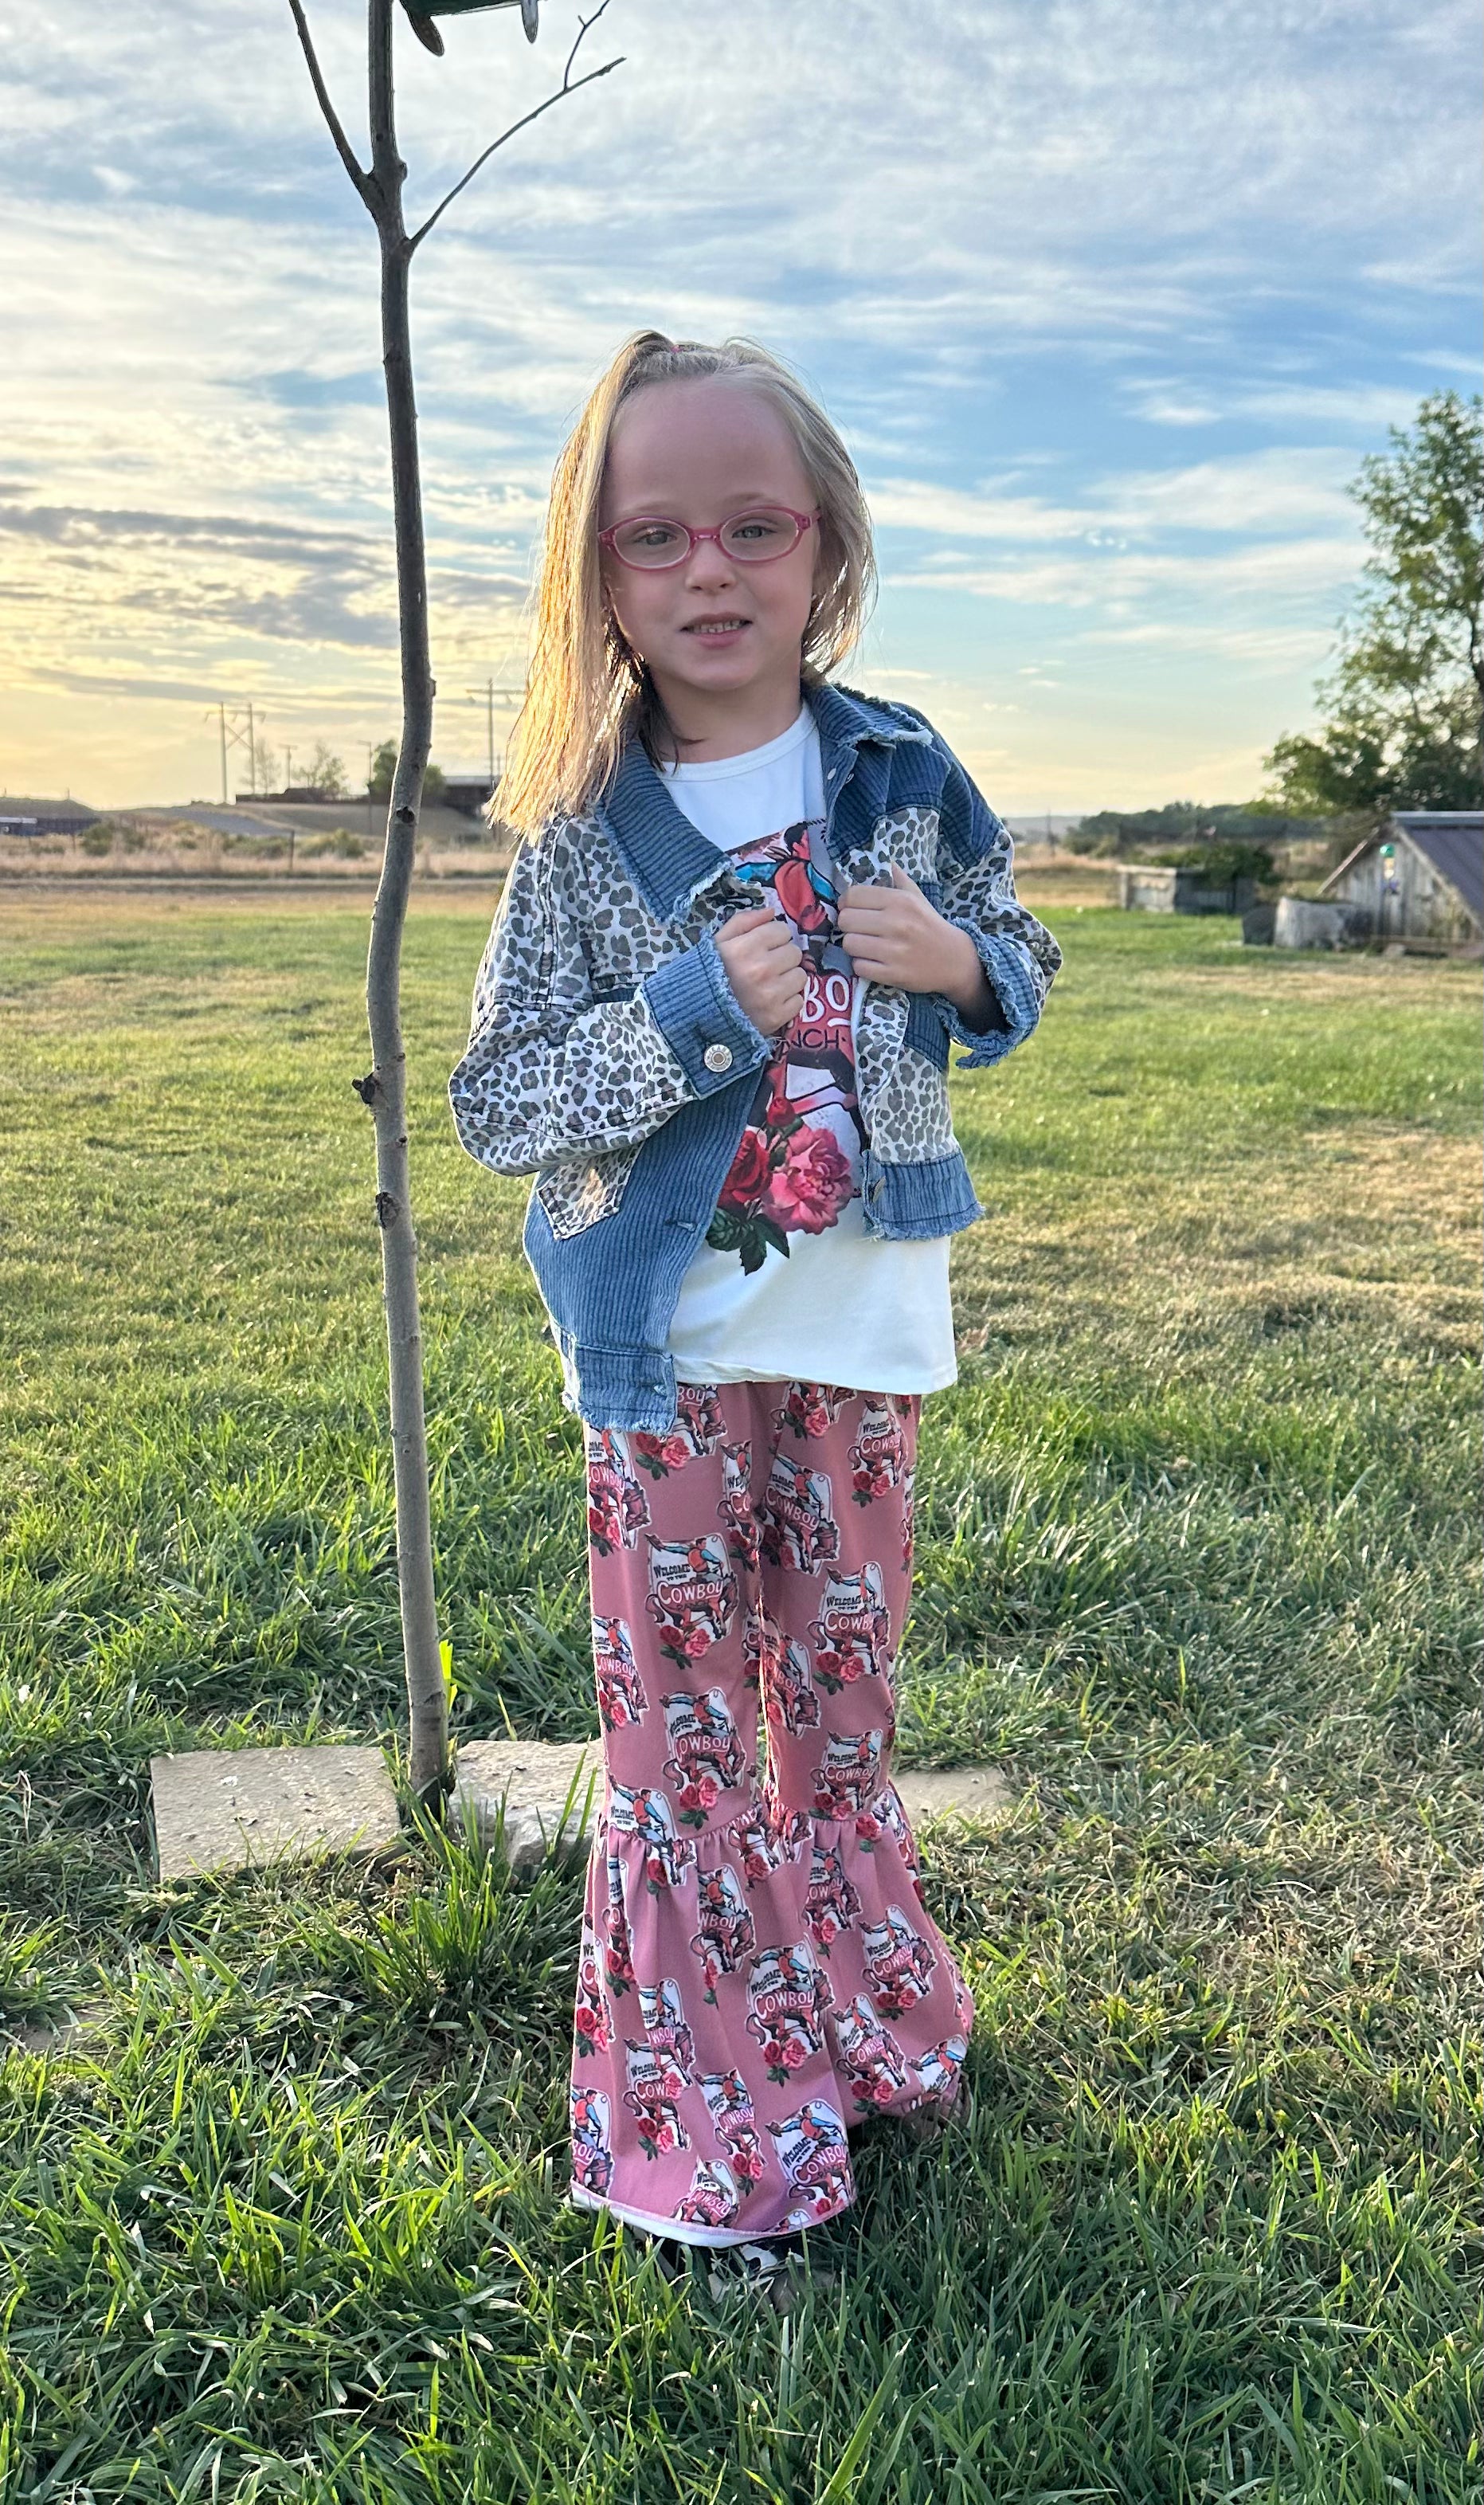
(710, 629)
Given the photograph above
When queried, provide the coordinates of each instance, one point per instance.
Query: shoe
(926, 2124)
(779, 2271)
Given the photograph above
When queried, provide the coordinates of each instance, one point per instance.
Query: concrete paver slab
(979, 1792)
(535, 1779)
(233, 1809)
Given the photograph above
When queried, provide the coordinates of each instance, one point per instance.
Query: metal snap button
(718, 1056)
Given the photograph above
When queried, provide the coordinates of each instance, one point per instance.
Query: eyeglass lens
(748, 537)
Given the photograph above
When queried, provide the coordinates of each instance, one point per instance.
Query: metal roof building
(21, 816)
(1420, 877)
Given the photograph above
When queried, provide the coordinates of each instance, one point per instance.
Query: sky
(1109, 298)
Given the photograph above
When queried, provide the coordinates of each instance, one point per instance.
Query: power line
(489, 694)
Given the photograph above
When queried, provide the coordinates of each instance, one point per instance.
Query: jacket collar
(668, 859)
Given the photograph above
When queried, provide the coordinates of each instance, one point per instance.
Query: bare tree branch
(348, 154)
(582, 25)
(569, 86)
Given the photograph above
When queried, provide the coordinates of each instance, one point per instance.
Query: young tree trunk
(386, 1089)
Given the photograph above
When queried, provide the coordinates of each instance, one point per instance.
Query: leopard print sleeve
(551, 1071)
(1018, 954)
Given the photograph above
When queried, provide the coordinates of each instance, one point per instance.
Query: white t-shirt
(837, 1305)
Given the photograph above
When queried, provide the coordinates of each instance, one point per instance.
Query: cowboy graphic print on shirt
(799, 1161)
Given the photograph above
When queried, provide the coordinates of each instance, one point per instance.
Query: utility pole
(231, 734)
(491, 695)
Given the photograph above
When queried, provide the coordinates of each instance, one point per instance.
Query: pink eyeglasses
(652, 543)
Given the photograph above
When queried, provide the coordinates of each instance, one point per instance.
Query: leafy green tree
(385, 768)
(1126, 835)
(1404, 705)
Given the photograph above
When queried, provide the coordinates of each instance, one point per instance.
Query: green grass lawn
(283, 2204)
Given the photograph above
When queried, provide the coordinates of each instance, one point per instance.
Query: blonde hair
(587, 692)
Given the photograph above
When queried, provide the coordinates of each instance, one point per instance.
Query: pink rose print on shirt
(791, 1180)
(807, 1191)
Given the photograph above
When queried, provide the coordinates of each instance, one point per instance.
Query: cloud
(122, 685)
(71, 525)
(1032, 258)
(1278, 489)
(1120, 580)
(1161, 405)
(1263, 491)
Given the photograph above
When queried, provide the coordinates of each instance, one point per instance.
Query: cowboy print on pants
(758, 1971)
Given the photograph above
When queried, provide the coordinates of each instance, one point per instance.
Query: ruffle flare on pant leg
(801, 1938)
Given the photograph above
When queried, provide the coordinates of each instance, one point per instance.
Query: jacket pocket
(925, 1031)
(578, 1193)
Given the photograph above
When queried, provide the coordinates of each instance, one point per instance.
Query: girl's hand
(892, 935)
(764, 967)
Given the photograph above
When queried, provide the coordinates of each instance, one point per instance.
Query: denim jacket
(609, 1055)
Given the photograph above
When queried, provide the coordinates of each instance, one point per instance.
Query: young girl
(749, 914)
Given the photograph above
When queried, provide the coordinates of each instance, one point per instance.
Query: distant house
(20, 816)
(1420, 877)
(469, 793)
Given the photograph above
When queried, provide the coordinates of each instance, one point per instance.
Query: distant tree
(1124, 834)
(1404, 705)
(263, 765)
(326, 772)
(1220, 865)
(383, 773)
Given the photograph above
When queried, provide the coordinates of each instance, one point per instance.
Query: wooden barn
(1420, 877)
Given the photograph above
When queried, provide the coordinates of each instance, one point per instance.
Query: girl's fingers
(752, 919)
(885, 907)
(901, 886)
(760, 942)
